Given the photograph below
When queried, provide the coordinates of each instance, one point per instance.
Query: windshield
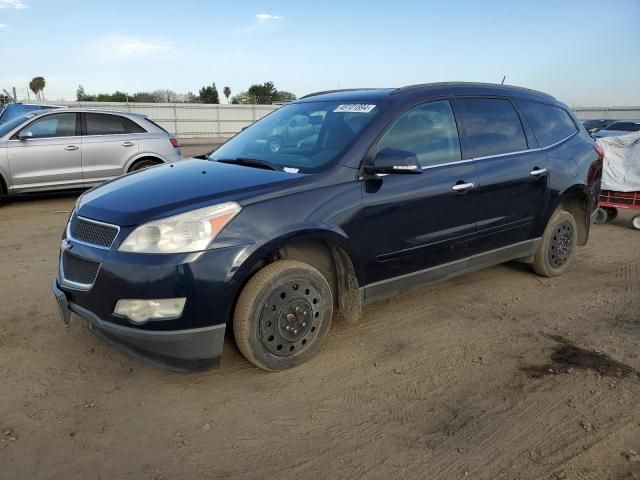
(13, 123)
(300, 136)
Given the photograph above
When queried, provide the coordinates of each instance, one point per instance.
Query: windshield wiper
(249, 162)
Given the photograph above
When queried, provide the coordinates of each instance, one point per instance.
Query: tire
(275, 144)
(635, 221)
(612, 213)
(557, 246)
(142, 164)
(601, 216)
(283, 315)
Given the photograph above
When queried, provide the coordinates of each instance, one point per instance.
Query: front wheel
(635, 221)
(557, 246)
(283, 315)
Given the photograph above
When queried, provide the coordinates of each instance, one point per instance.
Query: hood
(171, 189)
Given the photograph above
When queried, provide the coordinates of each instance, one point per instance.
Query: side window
(549, 124)
(492, 126)
(104, 124)
(131, 126)
(428, 130)
(58, 125)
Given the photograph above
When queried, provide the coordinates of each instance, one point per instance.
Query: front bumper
(178, 350)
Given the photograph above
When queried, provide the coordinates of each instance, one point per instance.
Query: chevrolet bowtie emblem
(65, 246)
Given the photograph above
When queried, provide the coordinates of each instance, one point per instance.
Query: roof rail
(466, 84)
(335, 91)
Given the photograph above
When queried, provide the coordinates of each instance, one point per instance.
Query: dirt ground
(498, 374)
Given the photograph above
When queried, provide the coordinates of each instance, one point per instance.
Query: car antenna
(503, 78)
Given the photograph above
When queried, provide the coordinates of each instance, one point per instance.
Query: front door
(50, 158)
(417, 227)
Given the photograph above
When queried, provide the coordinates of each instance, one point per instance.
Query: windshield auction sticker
(354, 108)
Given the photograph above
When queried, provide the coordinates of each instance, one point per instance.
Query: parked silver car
(78, 148)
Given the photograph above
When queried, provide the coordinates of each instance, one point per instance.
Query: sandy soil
(498, 374)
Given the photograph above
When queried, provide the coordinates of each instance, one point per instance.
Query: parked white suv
(78, 148)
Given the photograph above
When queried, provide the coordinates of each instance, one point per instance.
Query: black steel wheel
(283, 315)
(557, 245)
(561, 244)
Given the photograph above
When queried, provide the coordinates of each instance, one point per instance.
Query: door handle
(70, 148)
(127, 144)
(536, 172)
(463, 187)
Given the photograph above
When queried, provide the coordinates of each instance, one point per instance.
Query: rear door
(415, 222)
(51, 158)
(512, 190)
(109, 141)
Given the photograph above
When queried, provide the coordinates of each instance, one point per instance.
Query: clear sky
(583, 52)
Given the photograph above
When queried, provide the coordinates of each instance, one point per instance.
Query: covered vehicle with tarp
(620, 177)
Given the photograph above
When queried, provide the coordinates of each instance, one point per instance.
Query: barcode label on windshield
(354, 108)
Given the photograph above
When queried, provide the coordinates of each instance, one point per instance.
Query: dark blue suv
(391, 189)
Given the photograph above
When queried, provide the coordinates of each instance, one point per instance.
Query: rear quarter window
(492, 127)
(549, 124)
(108, 124)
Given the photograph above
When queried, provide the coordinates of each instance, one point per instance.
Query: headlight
(188, 232)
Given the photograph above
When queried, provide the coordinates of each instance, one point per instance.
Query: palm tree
(227, 93)
(36, 85)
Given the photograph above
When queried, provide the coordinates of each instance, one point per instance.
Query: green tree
(263, 94)
(227, 93)
(284, 96)
(144, 97)
(209, 94)
(36, 85)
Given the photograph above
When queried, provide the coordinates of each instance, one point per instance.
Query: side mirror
(25, 135)
(394, 160)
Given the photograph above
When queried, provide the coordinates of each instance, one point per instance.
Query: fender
(255, 254)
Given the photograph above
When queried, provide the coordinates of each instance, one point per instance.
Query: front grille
(79, 270)
(92, 232)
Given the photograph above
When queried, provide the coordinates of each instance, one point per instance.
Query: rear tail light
(600, 151)
(175, 142)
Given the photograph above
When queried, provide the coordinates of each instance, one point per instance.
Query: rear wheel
(143, 163)
(636, 222)
(601, 216)
(557, 246)
(283, 315)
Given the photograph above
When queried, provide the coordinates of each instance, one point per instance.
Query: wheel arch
(326, 250)
(4, 186)
(143, 156)
(577, 201)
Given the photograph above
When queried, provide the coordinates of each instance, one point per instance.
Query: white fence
(193, 120)
(190, 120)
(607, 113)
